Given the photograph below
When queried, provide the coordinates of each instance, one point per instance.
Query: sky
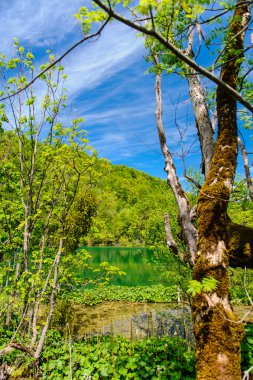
(108, 84)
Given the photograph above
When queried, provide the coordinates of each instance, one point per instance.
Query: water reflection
(136, 262)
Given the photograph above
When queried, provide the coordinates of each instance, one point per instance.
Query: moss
(19, 372)
(218, 341)
(240, 237)
(240, 245)
(247, 249)
(219, 273)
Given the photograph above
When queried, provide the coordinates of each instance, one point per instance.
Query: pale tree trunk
(217, 333)
(202, 119)
(246, 168)
(13, 293)
(188, 228)
(52, 301)
(38, 303)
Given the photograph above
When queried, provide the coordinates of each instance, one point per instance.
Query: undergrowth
(153, 293)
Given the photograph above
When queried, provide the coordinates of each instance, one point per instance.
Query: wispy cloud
(95, 62)
(106, 81)
(39, 22)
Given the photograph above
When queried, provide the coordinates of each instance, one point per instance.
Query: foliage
(171, 269)
(240, 207)
(247, 347)
(119, 358)
(153, 293)
(115, 357)
(207, 285)
(241, 282)
(131, 208)
(46, 199)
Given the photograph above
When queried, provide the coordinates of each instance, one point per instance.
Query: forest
(62, 202)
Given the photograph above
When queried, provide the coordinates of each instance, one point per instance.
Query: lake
(135, 262)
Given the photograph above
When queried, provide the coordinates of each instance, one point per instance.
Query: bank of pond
(133, 328)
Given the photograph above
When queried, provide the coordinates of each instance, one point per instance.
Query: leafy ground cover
(116, 358)
(154, 293)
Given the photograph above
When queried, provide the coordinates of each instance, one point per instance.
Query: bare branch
(193, 181)
(169, 238)
(244, 76)
(246, 375)
(242, 31)
(17, 346)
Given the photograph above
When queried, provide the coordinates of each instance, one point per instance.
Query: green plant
(208, 284)
(247, 347)
(154, 293)
(119, 358)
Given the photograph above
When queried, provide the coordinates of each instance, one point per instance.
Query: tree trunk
(217, 333)
(246, 168)
(202, 119)
(188, 229)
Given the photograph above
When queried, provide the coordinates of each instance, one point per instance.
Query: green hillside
(130, 208)
(114, 205)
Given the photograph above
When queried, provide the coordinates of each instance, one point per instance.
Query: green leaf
(195, 287)
(209, 284)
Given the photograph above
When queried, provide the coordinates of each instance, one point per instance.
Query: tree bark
(203, 122)
(217, 333)
(39, 347)
(240, 245)
(188, 228)
(246, 168)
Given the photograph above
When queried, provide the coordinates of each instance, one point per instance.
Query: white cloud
(45, 24)
(95, 62)
(105, 78)
(39, 22)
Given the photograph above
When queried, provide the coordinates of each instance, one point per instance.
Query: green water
(136, 262)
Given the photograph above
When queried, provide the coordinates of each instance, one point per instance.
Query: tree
(46, 202)
(214, 242)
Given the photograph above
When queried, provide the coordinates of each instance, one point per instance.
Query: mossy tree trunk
(218, 335)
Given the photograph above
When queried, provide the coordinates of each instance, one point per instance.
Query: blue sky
(107, 82)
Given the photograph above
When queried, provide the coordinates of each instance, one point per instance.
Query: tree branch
(169, 238)
(90, 36)
(177, 52)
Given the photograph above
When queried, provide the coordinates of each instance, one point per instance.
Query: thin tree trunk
(37, 305)
(13, 294)
(188, 228)
(52, 301)
(203, 122)
(246, 168)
